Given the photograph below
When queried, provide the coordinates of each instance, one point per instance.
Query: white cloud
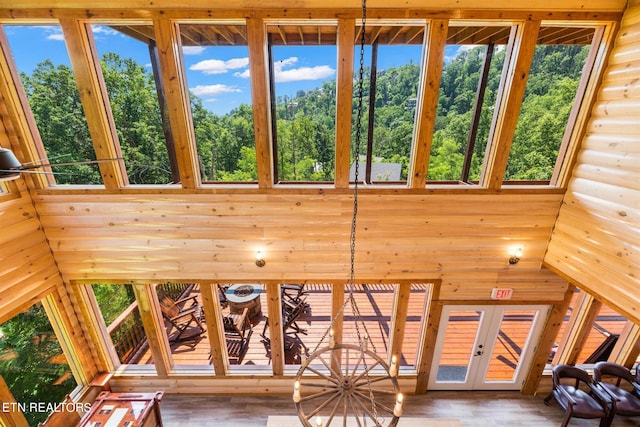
(213, 90)
(217, 66)
(295, 74)
(55, 36)
(51, 33)
(192, 50)
(305, 73)
(104, 30)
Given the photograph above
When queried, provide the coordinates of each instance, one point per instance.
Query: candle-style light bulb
(319, 421)
(393, 369)
(397, 410)
(365, 342)
(296, 392)
(332, 341)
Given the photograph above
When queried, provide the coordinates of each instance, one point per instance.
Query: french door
(485, 347)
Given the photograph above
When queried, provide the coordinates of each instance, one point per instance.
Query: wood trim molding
(93, 94)
(344, 95)
(509, 103)
(260, 95)
(173, 77)
(436, 34)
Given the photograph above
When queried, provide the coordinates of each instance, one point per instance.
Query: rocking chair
(182, 316)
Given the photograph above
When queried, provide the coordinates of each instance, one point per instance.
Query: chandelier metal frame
(349, 381)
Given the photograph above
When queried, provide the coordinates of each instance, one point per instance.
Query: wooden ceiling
(326, 34)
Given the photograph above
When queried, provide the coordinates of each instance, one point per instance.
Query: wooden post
(215, 330)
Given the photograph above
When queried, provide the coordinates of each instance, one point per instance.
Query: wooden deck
(375, 303)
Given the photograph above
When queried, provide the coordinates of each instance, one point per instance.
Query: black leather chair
(575, 392)
(623, 388)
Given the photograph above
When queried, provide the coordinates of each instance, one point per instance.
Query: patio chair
(182, 316)
(237, 332)
(578, 395)
(621, 385)
(290, 313)
(294, 294)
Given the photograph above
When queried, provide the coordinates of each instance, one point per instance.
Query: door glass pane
(513, 334)
(457, 348)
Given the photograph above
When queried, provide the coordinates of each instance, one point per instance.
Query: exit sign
(501, 293)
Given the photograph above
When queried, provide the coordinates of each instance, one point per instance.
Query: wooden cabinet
(124, 410)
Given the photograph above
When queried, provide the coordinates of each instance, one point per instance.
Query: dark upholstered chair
(621, 385)
(575, 392)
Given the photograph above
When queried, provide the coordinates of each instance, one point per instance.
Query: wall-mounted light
(260, 262)
(514, 255)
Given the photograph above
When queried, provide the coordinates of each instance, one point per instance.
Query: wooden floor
(473, 409)
(375, 303)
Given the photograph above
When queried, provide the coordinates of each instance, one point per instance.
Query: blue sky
(218, 75)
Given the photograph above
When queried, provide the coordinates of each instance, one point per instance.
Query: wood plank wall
(462, 239)
(595, 241)
(27, 268)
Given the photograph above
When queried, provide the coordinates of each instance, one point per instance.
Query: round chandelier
(349, 383)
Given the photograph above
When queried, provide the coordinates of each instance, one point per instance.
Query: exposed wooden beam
(428, 339)
(504, 126)
(152, 321)
(276, 335)
(177, 97)
(344, 96)
(261, 96)
(12, 418)
(428, 92)
(401, 310)
(25, 128)
(337, 302)
(215, 329)
(93, 94)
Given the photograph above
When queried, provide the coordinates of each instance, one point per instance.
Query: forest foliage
(305, 123)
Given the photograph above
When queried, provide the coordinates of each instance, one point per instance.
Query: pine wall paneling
(595, 240)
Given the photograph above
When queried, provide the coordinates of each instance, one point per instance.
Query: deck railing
(127, 332)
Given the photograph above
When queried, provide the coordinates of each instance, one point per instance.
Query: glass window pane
(554, 78)
(418, 303)
(314, 319)
(133, 97)
(216, 59)
(375, 303)
(32, 362)
(54, 99)
(602, 336)
(184, 323)
(394, 51)
(304, 72)
(122, 321)
(454, 144)
(247, 344)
